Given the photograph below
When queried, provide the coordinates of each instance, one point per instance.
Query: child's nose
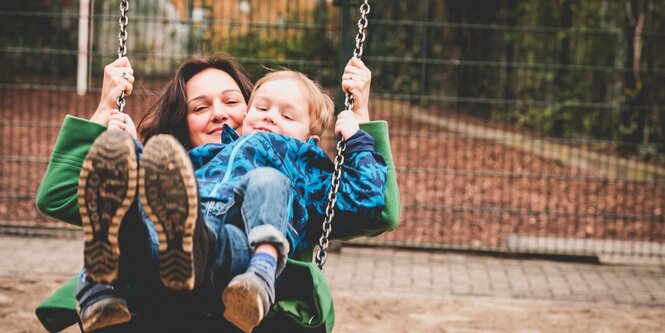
(270, 115)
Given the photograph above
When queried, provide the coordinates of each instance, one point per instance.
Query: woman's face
(213, 99)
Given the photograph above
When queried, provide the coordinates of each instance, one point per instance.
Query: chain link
(122, 49)
(362, 25)
(358, 51)
(321, 254)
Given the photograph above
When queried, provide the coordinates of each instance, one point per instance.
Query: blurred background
(530, 126)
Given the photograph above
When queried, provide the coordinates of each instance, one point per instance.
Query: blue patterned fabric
(218, 167)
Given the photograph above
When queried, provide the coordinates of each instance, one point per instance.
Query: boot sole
(243, 306)
(105, 313)
(167, 189)
(106, 190)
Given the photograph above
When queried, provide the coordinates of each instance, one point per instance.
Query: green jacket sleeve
(58, 192)
(389, 218)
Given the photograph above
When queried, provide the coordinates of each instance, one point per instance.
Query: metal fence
(509, 134)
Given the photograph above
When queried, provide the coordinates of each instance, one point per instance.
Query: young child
(257, 192)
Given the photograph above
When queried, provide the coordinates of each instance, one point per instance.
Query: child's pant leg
(232, 254)
(264, 196)
(258, 214)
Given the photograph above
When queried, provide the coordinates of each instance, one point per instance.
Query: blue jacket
(219, 167)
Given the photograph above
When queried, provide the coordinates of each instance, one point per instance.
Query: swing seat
(303, 304)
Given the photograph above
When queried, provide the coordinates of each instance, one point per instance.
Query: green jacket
(310, 307)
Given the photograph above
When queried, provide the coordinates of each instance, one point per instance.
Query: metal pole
(344, 51)
(190, 28)
(84, 33)
(91, 36)
(424, 55)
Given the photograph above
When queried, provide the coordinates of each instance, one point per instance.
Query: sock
(264, 267)
(264, 263)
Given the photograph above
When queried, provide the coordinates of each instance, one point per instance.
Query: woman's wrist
(362, 115)
(101, 116)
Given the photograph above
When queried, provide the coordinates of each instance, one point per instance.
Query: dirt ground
(373, 312)
(419, 313)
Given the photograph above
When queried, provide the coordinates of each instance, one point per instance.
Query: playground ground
(388, 290)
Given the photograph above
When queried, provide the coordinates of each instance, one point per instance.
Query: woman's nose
(218, 112)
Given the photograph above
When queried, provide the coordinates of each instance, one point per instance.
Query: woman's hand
(122, 122)
(347, 124)
(357, 79)
(118, 77)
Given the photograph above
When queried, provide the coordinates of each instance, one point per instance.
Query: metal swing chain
(321, 254)
(122, 49)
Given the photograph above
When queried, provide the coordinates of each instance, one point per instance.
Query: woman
(220, 86)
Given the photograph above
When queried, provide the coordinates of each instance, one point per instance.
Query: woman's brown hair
(168, 115)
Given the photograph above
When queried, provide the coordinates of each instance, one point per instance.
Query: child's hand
(122, 122)
(118, 77)
(356, 80)
(347, 124)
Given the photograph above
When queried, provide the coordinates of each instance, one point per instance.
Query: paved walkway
(472, 275)
(410, 272)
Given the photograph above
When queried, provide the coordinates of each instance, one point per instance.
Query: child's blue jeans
(259, 213)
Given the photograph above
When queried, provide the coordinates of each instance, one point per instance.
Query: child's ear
(316, 138)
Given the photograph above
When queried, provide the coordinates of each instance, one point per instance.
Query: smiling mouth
(218, 129)
(261, 129)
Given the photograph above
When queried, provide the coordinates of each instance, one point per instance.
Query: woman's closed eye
(200, 108)
(232, 101)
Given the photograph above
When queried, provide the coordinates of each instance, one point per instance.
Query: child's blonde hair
(320, 107)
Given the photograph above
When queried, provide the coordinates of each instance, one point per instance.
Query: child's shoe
(169, 194)
(99, 306)
(249, 296)
(106, 190)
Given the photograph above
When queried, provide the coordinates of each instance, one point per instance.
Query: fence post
(190, 28)
(344, 50)
(84, 33)
(424, 54)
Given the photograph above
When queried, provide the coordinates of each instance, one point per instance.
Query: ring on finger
(125, 76)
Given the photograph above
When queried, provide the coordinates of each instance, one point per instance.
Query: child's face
(279, 107)
(213, 99)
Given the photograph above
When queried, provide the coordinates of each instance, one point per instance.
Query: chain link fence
(525, 127)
